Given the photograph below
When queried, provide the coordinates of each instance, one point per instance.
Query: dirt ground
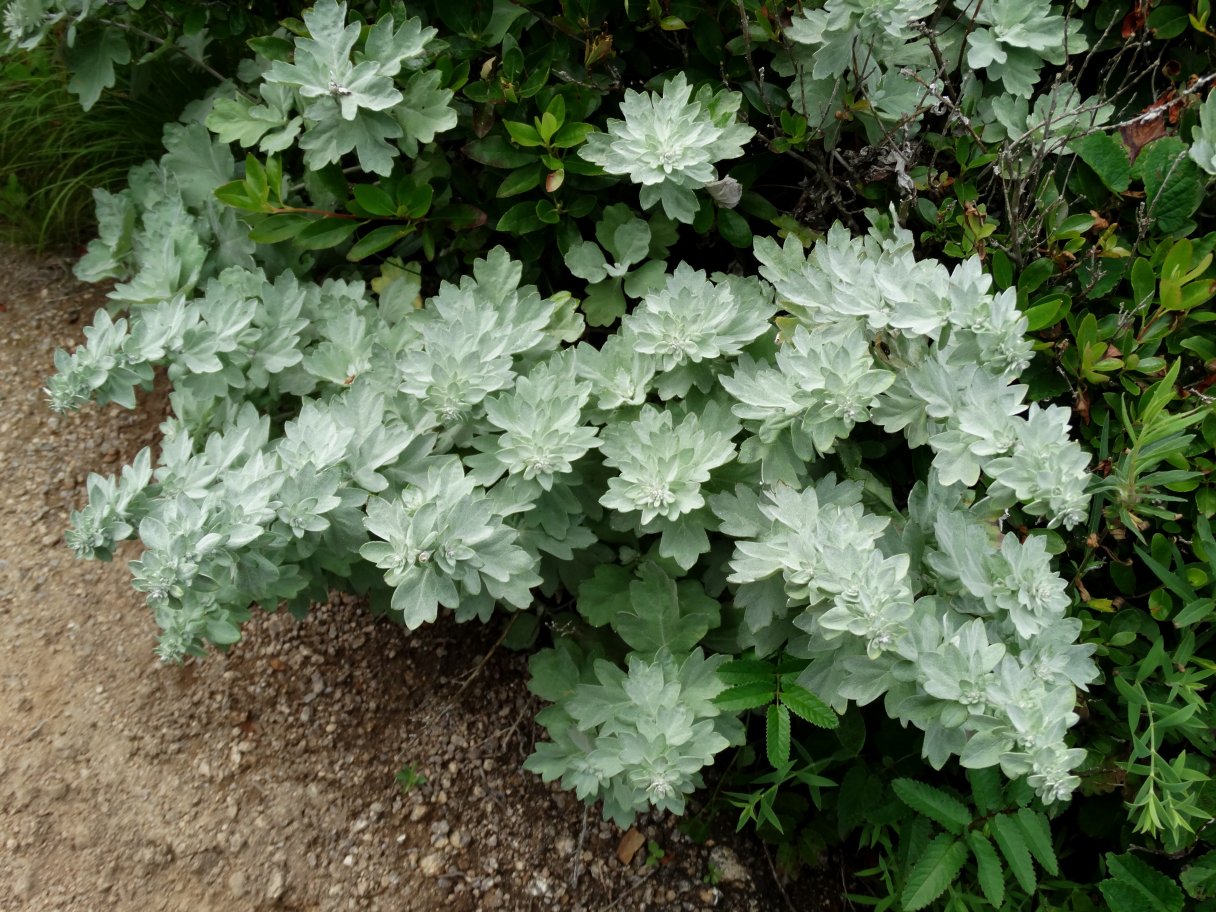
(264, 778)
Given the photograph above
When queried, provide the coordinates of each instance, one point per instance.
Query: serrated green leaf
(1137, 881)
(934, 871)
(1174, 184)
(985, 788)
(1199, 877)
(989, 872)
(1037, 831)
(808, 707)
(933, 803)
(746, 696)
(1009, 837)
(777, 735)
(747, 671)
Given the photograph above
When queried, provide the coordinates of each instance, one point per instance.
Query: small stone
(237, 884)
(418, 812)
(728, 867)
(432, 864)
(276, 886)
(23, 885)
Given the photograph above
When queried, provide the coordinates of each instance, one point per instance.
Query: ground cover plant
(819, 390)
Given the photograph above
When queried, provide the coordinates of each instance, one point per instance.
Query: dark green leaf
(747, 671)
(989, 872)
(605, 595)
(523, 134)
(777, 736)
(520, 219)
(985, 788)
(746, 696)
(1173, 183)
(1108, 157)
(279, 227)
(521, 180)
(571, 135)
(734, 228)
(1139, 881)
(934, 871)
(377, 240)
(1037, 831)
(272, 47)
(805, 705)
(497, 152)
(933, 803)
(1013, 846)
(374, 199)
(460, 216)
(326, 232)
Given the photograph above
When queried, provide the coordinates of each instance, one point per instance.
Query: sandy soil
(264, 778)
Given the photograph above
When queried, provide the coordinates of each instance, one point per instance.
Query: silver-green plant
(669, 143)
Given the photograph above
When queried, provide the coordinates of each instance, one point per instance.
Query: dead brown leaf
(629, 845)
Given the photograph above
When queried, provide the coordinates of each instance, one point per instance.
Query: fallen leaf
(1141, 132)
(629, 845)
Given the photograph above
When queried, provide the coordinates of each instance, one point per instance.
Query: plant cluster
(855, 460)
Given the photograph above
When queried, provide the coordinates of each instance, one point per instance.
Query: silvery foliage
(635, 737)
(91, 53)
(627, 261)
(461, 455)
(1203, 140)
(669, 143)
(899, 56)
(333, 98)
